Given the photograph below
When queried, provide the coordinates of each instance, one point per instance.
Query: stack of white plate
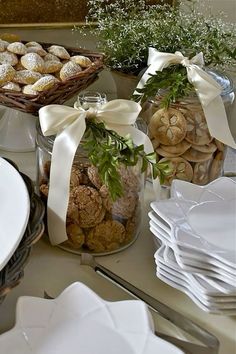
(195, 231)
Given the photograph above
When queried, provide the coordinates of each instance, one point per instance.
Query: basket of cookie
(13, 271)
(34, 74)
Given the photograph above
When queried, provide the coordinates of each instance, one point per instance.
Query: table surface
(52, 269)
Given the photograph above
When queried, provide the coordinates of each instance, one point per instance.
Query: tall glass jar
(180, 135)
(95, 223)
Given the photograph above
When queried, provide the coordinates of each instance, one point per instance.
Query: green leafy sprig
(107, 150)
(173, 82)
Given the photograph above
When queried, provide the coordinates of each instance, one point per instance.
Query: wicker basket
(13, 271)
(61, 91)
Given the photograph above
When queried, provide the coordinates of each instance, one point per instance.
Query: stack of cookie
(29, 68)
(180, 134)
(95, 222)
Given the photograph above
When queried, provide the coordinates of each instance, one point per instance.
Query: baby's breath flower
(126, 28)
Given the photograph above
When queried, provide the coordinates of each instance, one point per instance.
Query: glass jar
(181, 136)
(95, 223)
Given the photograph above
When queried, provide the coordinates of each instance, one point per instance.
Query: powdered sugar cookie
(17, 48)
(3, 45)
(28, 90)
(12, 86)
(59, 51)
(81, 60)
(7, 73)
(26, 77)
(52, 66)
(38, 50)
(8, 58)
(33, 44)
(52, 57)
(69, 70)
(33, 61)
(45, 83)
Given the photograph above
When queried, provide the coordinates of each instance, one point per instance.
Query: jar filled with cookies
(104, 209)
(178, 129)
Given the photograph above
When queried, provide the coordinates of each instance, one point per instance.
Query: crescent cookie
(81, 60)
(17, 48)
(26, 77)
(33, 61)
(7, 73)
(52, 57)
(52, 66)
(38, 50)
(11, 86)
(69, 70)
(45, 83)
(59, 51)
(8, 58)
(3, 45)
(33, 44)
(28, 90)
(168, 126)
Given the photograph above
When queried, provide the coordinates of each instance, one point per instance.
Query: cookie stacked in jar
(95, 221)
(180, 134)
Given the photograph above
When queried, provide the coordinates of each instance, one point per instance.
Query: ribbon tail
(64, 149)
(218, 123)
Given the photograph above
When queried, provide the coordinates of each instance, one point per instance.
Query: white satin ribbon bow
(207, 89)
(69, 124)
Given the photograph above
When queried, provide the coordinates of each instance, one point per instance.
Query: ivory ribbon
(207, 89)
(69, 125)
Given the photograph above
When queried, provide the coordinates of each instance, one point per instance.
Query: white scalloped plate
(14, 210)
(79, 321)
(184, 213)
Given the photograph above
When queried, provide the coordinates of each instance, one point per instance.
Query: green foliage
(107, 150)
(126, 28)
(173, 82)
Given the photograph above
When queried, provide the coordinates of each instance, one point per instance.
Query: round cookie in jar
(98, 221)
(178, 129)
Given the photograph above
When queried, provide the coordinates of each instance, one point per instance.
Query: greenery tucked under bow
(107, 150)
(173, 82)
